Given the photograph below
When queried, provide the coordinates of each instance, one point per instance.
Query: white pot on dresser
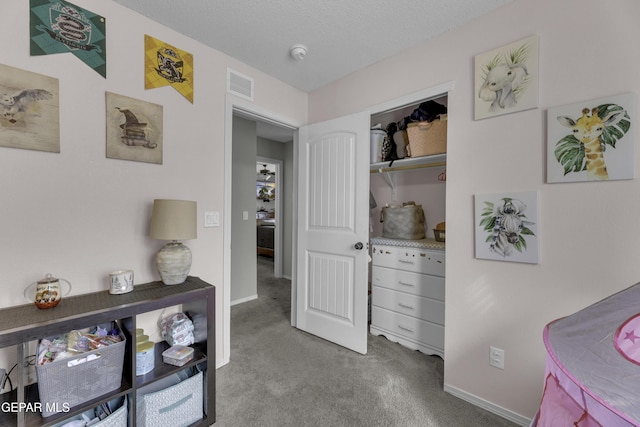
(407, 296)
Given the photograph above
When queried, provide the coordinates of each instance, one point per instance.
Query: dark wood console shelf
(23, 324)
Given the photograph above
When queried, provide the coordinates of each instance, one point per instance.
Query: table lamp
(173, 220)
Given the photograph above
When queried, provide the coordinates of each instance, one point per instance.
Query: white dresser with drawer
(407, 296)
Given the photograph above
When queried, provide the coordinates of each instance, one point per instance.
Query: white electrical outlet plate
(245, 215)
(496, 357)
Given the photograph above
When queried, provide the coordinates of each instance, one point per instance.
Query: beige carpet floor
(281, 376)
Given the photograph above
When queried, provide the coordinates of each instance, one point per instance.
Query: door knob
(359, 246)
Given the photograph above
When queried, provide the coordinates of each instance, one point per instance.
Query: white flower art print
(506, 227)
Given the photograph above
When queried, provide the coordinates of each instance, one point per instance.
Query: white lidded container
(377, 139)
(177, 355)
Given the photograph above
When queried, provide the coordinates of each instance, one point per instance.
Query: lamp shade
(173, 220)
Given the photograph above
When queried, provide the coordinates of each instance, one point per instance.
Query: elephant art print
(501, 84)
(506, 79)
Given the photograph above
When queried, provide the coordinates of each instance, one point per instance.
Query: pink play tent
(593, 366)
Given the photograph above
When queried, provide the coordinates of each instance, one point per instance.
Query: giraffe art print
(591, 141)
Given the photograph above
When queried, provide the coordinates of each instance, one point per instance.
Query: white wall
(588, 231)
(79, 215)
(282, 151)
(244, 267)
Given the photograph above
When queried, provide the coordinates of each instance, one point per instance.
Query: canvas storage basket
(118, 418)
(427, 138)
(68, 382)
(403, 222)
(179, 405)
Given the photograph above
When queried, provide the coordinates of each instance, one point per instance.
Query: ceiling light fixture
(298, 51)
(266, 173)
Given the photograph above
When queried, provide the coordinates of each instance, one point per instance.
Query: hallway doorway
(269, 205)
(267, 127)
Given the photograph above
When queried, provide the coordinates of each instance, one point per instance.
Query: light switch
(212, 219)
(245, 215)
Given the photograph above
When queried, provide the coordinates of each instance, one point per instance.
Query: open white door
(333, 229)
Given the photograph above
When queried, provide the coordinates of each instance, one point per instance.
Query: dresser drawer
(408, 327)
(410, 305)
(410, 259)
(406, 281)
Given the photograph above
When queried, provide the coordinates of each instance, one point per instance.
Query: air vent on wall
(240, 85)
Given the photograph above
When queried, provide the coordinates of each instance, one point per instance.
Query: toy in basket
(428, 138)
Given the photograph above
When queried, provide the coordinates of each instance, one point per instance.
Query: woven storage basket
(116, 419)
(427, 138)
(178, 406)
(404, 222)
(75, 380)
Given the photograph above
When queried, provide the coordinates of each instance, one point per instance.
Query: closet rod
(407, 167)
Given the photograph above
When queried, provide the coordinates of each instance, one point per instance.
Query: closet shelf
(410, 163)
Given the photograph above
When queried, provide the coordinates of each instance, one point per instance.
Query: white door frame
(248, 109)
(277, 235)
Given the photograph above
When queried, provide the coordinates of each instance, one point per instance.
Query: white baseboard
(498, 410)
(284, 276)
(241, 300)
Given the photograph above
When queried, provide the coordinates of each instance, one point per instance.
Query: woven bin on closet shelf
(427, 138)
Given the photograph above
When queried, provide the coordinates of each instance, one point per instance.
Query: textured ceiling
(342, 36)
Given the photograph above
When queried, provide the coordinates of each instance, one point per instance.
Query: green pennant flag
(58, 26)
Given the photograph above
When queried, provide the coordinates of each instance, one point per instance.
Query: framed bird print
(134, 129)
(29, 110)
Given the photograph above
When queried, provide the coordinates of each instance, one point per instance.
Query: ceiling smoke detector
(298, 52)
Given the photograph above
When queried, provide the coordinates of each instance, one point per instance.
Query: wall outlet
(496, 357)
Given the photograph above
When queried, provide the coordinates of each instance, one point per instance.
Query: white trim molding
(243, 300)
(491, 407)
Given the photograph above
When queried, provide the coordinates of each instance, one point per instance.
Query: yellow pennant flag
(167, 65)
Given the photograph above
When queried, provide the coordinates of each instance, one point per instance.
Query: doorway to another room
(269, 212)
(251, 142)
